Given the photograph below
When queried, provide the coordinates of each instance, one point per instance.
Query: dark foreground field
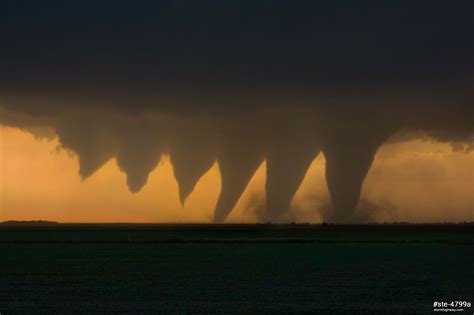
(234, 269)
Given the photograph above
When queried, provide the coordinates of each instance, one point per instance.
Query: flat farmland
(234, 268)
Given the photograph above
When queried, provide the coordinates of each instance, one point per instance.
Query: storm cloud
(240, 83)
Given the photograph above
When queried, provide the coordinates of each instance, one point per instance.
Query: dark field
(234, 268)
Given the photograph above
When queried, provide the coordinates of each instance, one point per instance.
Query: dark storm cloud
(239, 82)
(174, 44)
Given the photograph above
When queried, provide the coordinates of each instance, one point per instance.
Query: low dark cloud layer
(245, 43)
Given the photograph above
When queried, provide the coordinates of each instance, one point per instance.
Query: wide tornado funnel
(191, 155)
(138, 155)
(349, 155)
(93, 145)
(91, 160)
(346, 168)
(291, 152)
(239, 156)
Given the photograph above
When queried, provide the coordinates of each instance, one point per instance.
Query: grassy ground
(183, 271)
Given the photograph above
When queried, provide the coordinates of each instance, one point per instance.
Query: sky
(242, 111)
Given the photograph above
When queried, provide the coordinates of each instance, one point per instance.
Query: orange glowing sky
(417, 181)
